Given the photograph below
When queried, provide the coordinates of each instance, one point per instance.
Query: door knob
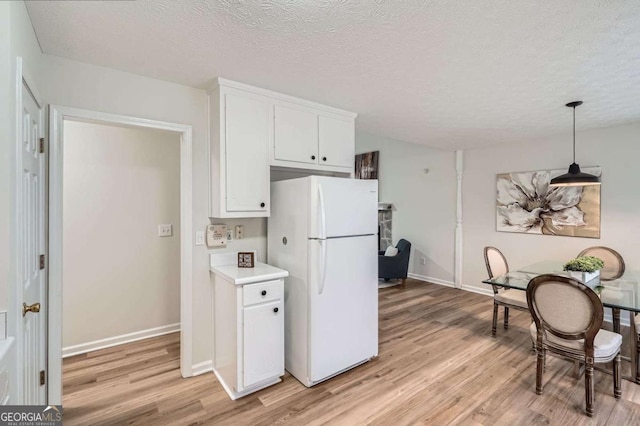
(35, 308)
(324, 158)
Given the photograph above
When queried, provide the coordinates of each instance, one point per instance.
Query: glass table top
(622, 293)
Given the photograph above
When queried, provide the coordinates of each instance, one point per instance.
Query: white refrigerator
(323, 230)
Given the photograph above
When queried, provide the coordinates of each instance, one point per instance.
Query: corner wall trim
(119, 340)
(431, 280)
(202, 367)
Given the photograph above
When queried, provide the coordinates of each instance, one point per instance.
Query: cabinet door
(263, 336)
(247, 151)
(337, 141)
(295, 136)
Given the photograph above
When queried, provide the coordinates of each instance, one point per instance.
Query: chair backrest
(495, 262)
(403, 245)
(566, 308)
(613, 262)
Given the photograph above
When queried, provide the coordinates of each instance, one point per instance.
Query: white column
(458, 250)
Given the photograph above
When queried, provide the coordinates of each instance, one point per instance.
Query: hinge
(42, 261)
(41, 149)
(42, 379)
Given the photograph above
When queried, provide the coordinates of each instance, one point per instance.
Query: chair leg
(638, 355)
(495, 318)
(588, 387)
(404, 283)
(617, 390)
(506, 318)
(540, 369)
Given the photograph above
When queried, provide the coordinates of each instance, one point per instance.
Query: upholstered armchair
(395, 267)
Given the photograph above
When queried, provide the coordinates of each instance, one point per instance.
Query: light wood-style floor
(438, 364)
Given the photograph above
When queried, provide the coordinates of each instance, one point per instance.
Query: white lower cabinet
(263, 356)
(248, 334)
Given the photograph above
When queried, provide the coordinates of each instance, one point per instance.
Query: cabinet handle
(264, 292)
(275, 310)
(324, 158)
(313, 157)
(261, 204)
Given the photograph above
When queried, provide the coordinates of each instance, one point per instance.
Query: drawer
(262, 292)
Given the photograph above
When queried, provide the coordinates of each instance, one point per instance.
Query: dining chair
(497, 265)
(613, 261)
(567, 320)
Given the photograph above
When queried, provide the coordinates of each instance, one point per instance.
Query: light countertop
(240, 276)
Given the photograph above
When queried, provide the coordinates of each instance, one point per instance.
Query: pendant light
(574, 177)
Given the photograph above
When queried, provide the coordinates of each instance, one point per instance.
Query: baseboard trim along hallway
(119, 340)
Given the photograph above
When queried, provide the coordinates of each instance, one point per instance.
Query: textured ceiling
(448, 74)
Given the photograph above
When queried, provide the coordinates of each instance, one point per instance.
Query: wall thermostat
(216, 235)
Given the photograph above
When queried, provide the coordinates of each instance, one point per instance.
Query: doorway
(67, 124)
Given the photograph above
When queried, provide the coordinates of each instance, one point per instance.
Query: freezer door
(342, 207)
(343, 304)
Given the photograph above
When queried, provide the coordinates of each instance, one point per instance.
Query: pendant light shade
(575, 177)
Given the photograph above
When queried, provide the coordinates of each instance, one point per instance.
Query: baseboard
(119, 340)
(473, 289)
(202, 367)
(431, 280)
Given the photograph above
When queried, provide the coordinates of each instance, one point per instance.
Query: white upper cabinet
(312, 137)
(295, 134)
(240, 123)
(252, 129)
(336, 141)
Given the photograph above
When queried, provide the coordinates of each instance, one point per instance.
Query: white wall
(119, 276)
(91, 87)
(6, 132)
(424, 203)
(615, 149)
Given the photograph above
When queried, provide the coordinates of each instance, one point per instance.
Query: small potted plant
(584, 268)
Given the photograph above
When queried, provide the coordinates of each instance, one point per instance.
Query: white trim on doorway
(57, 116)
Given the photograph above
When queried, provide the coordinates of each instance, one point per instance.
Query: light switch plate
(200, 238)
(3, 325)
(165, 230)
(229, 235)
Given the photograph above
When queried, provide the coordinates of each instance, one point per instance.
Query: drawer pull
(313, 157)
(262, 204)
(275, 310)
(324, 158)
(264, 292)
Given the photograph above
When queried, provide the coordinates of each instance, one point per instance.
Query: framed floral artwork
(525, 203)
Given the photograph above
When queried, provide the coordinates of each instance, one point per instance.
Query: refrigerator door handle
(323, 265)
(323, 219)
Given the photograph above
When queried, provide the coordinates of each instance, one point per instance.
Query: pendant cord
(574, 134)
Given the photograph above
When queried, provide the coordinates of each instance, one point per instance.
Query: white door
(31, 246)
(247, 150)
(342, 207)
(295, 136)
(263, 351)
(336, 141)
(343, 308)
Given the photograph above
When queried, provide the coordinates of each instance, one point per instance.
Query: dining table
(620, 294)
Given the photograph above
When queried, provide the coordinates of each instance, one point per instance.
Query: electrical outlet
(423, 261)
(200, 238)
(229, 234)
(165, 230)
(239, 232)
